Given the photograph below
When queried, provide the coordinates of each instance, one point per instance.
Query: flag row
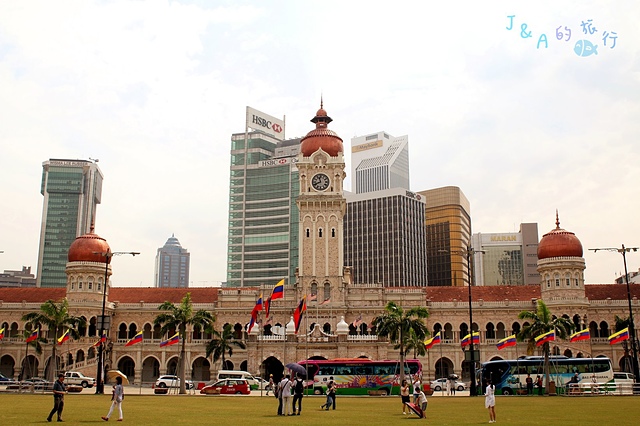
(540, 340)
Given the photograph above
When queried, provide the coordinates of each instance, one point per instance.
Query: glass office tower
(72, 189)
(263, 215)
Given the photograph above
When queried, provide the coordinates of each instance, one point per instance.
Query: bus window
(363, 370)
(327, 370)
(413, 368)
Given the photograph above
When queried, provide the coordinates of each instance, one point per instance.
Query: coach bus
(510, 375)
(359, 376)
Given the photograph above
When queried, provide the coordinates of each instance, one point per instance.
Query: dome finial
(321, 102)
(557, 220)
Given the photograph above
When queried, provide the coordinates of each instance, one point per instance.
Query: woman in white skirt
(490, 401)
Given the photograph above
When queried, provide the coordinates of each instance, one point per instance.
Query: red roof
(117, 294)
(486, 293)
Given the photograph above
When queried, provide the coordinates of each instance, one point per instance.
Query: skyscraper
(448, 235)
(385, 238)
(172, 265)
(262, 247)
(379, 161)
(72, 189)
(508, 258)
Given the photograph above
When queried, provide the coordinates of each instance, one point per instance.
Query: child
(422, 401)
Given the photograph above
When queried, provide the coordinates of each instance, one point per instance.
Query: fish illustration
(585, 48)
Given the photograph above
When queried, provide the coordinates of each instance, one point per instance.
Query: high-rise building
(385, 238)
(379, 161)
(263, 216)
(72, 189)
(172, 265)
(448, 223)
(508, 258)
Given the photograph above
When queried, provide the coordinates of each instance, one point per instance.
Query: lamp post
(632, 330)
(107, 256)
(473, 391)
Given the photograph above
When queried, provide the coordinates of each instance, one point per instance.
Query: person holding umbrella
(298, 392)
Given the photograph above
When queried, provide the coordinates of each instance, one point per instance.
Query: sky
(527, 106)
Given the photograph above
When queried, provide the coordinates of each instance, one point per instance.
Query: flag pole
(441, 365)
(142, 365)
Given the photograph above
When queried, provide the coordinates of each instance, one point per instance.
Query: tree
(413, 343)
(396, 324)
(178, 318)
(222, 343)
(542, 322)
(56, 317)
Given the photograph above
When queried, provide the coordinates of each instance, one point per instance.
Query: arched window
(320, 232)
(491, 332)
(448, 332)
(567, 279)
(308, 232)
(604, 329)
(593, 329)
(557, 278)
(333, 232)
(327, 291)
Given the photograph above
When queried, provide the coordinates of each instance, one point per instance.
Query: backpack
(299, 388)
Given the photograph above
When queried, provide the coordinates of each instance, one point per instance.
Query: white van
(623, 383)
(233, 374)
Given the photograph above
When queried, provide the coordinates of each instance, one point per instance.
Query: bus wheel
(317, 391)
(387, 390)
(507, 391)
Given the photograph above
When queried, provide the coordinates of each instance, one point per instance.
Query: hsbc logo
(262, 122)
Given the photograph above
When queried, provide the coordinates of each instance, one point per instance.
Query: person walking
(270, 385)
(298, 393)
(453, 386)
(277, 391)
(529, 382)
(117, 395)
(404, 395)
(286, 396)
(59, 389)
(490, 401)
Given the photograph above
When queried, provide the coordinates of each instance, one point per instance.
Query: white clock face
(320, 181)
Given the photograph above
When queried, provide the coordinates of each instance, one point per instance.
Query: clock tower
(322, 206)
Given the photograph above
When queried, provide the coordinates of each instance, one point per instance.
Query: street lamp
(107, 255)
(632, 331)
(473, 391)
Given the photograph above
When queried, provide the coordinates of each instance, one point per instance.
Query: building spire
(557, 220)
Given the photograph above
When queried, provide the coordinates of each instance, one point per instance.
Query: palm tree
(56, 317)
(177, 318)
(222, 343)
(543, 322)
(397, 324)
(413, 343)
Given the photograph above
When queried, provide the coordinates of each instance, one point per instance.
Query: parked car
(4, 380)
(77, 378)
(440, 384)
(624, 383)
(227, 387)
(170, 381)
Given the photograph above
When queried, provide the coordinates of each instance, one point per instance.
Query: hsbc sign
(260, 121)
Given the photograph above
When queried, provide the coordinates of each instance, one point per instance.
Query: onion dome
(89, 248)
(321, 136)
(559, 243)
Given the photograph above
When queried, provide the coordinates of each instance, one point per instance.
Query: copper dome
(559, 243)
(321, 136)
(88, 248)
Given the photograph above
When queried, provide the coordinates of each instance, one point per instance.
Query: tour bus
(360, 376)
(509, 376)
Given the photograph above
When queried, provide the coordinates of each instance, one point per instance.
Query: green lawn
(257, 411)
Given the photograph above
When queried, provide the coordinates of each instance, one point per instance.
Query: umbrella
(297, 368)
(112, 374)
(453, 377)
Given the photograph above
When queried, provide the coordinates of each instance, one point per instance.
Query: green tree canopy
(178, 318)
(223, 343)
(57, 319)
(397, 324)
(542, 321)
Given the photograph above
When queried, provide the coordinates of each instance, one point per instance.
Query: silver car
(440, 384)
